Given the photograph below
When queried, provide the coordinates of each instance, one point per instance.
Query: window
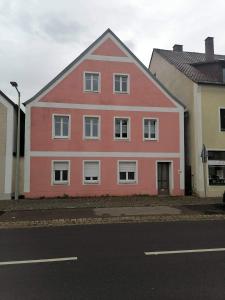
(127, 172)
(91, 82)
(217, 174)
(60, 172)
(91, 127)
(222, 119)
(61, 126)
(150, 129)
(91, 172)
(122, 128)
(121, 83)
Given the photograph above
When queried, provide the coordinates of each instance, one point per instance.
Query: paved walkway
(45, 212)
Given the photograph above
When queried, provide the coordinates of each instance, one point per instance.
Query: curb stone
(110, 220)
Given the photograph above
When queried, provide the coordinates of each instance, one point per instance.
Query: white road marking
(185, 251)
(36, 261)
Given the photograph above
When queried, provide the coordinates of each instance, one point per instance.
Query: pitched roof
(70, 66)
(185, 63)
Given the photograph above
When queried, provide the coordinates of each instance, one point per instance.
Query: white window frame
(92, 181)
(128, 129)
(99, 128)
(135, 181)
(99, 82)
(157, 129)
(114, 83)
(53, 126)
(53, 182)
(219, 118)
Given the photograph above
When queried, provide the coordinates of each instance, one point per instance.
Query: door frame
(171, 172)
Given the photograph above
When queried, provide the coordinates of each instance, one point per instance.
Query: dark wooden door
(163, 178)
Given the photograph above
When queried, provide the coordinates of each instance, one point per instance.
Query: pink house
(104, 126)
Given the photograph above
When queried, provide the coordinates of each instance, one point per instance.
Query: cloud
(40, 38)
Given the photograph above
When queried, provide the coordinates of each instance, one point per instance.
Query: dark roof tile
(184, 61)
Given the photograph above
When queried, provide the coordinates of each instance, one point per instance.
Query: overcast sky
(40, 38)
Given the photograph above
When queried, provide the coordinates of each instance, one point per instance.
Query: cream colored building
(198, 80)
(8, 119)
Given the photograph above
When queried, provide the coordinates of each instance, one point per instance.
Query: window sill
(91, 138)
(91, 182)
(61, 137)
(95, 92)
(150, 140)
(61, 183)
(121, 93)
(127, 182)
(122, 139)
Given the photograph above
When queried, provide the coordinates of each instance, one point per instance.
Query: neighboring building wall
(185, 90)
(213, 138)
(3, 122)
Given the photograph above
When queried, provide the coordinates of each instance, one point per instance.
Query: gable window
(127, 172)
(222, 119)
(122, 128)
(91, 127)
(61, 126)
(121, 83)
(91, 172)
(150, 129)
(91, 82)
(60, 172)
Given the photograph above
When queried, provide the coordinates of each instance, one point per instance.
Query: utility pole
(15, 85)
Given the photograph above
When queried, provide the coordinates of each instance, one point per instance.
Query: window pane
(57, 128)
(124, 83)
(88, 82)
(117, 83)
(87, 127)
(95, 82)
(152, 128)
(65, 175)
(146, 129)
(122, 175)
(131, 176)
(65, 126)
(95, 178)
(95, 129)
(117, 128)
(222, 119)
(124, 128)
(57, 175)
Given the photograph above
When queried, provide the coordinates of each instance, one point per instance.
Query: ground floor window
(60, 172)
(216, 175)
(91, 171)
(127, 171)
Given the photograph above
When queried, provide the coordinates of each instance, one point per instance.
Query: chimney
(178, 48)
(209, 49)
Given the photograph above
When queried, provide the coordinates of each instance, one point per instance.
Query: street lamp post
(15, 85)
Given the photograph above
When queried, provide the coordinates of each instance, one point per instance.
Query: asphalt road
(111, 262)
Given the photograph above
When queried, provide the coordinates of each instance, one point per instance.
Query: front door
(163, 178)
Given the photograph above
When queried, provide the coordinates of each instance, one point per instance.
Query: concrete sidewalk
(52, 212)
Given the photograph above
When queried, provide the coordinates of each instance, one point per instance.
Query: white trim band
(103, 154)
(105, 107)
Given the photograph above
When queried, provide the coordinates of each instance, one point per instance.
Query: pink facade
(115, 141)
